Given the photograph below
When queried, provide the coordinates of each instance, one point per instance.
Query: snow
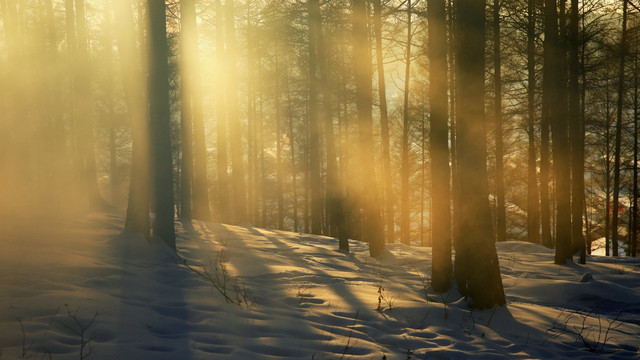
(304, 299)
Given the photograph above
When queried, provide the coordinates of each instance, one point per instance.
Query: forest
(450, 140)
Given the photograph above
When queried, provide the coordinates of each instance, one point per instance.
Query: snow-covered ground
(299, 298)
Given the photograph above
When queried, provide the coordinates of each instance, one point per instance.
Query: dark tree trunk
(533, 205)
(439, 149)
(618, 142)
(577, 137)
(553, 112)
(477, 271)
(159, 111)
(501, 218)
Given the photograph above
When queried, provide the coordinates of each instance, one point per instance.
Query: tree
(501, 225)
(160, 116)
(439, 149)
(577, 137)
(372, 226)
(405, 222)
(313, 125)
(618, 139)
(533, 205)
(477, 271)
(384, 122)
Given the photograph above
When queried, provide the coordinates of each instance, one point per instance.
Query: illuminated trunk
(384, 123)
(222, 161)
(372, 222)
(315, 180)
(405, 221)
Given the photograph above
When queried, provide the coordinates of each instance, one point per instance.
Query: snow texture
(299, 298)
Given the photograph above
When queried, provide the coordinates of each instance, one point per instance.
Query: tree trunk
(373, 232)
(553, 111)
(233, 118)
(384, 123)
(501, 224)
(159, 111)
(314, 131)
(439, 149)
(618, 143)
(577, 137)
(477, 271)
(222, 161)
(193, 99)
(405, 221)
(533, 205)
(137, 220)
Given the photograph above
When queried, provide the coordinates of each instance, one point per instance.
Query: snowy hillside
(291, 296)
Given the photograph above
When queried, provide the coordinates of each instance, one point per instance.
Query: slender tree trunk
(294, 172)
(577, 137)
(109, 104)
(163, 224)
(634, 212)
(384, 123)
(607, 167)
(477, 270)
(279, 192)
(186, 110)
(439, 149)
(554, 115)
(533, 205)
(314, 132)
(501, 224)
(200, 190)
(233, 118)
(618, 142)
(405, 221)
(222, 161)
(373, 229)
(335, 195)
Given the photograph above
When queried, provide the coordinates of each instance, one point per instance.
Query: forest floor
(77, 289)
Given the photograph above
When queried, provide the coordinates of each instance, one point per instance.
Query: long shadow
(153, 317)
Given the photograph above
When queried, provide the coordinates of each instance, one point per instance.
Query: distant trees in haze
(450, 123)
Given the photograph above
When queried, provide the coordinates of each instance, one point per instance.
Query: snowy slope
(300, 299)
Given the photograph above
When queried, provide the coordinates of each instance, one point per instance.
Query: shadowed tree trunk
(477, 271)
(315, 180)
(618, 141)
(501, 219)
(439, 149)
(577, 137)
(533, 205)
(162, 168)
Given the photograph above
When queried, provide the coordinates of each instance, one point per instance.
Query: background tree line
(388, 121)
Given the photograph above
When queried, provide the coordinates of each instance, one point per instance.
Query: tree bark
(501, 219)
(618, 141)
(533, 205)
(405, 221)
(384, 124)
(439, 149)
(159, 111)
(372, 229)
(477, 271)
